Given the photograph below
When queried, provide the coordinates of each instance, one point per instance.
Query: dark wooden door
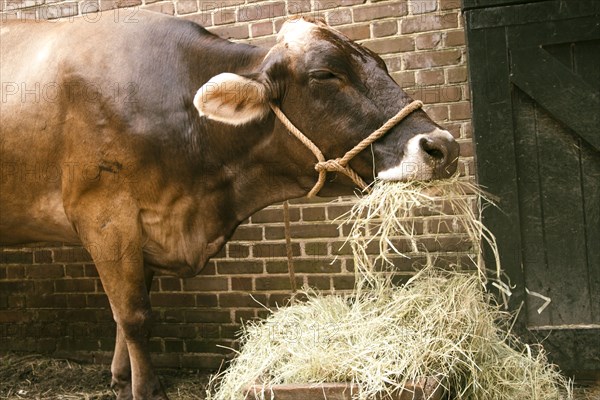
(535, 76)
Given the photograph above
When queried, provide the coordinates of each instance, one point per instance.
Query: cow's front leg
(121, 366)
(111, 232)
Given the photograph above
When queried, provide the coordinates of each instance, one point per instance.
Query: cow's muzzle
(427, 156)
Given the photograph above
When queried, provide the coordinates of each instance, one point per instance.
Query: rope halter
(341, 164)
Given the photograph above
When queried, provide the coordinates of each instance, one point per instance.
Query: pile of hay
(441, 324)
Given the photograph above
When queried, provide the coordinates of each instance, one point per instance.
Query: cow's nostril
(433, 148)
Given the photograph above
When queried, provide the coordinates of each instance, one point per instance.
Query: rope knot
(341, 164)
(333, 165)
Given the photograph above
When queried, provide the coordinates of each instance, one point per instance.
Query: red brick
(449, 243)
(239, 267)
(207, 300)
(460, 111)
(343, 282)
(43, 257)
(74, 271)
(404, 78)
(274, 250)
(313, 214)
(276, 266)
(427, 41)
(186, 7)
(244, 284)
(268, 283)
(239, 299)
(328, 4)
(457, 74)
(262, 29)
(316, 248)
(466, 148)
(206, 284)
(429, 22)
(166, 7)
(242, 316)
(113, 4)
(430, 77)
(97, 301)
(15, 272)
(203, 362)
(75, 285)
(47, 301)
(314, 230)
(334, 211)
(467, 130)
(390, 45)
(377, 11)
(208, 315)
(42, 271)
(449, 4)
(384, 28)
(271, 215)
(277, 300)
(432, 59)
(237, 251)
(76, 300)
(174, 331)
(205, 346)
(356, 31)
(168, 284)
(454, 38)
(320, 282)
(466, 90)
(16, 257)
(422, 6)
(318, 265)
(214, 6)
(224, 16)
(339, 16)
(438, 113)
(172, 300)
(266, 10)
(298, 7)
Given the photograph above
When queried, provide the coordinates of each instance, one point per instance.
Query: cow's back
(87, 102)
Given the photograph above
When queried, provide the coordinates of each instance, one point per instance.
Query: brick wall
(51, 299)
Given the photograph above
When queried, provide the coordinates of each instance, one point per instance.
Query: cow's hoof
(122, 389)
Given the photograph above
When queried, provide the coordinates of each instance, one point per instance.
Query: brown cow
(149, 141)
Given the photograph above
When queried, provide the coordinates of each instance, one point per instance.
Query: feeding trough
(425, 389)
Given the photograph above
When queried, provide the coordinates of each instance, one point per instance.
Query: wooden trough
(426, 389)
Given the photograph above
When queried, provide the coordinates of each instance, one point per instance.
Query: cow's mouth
(427, 156)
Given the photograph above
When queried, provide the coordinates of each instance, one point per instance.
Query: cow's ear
(232, 99)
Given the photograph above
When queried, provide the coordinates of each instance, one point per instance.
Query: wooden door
(535, 76)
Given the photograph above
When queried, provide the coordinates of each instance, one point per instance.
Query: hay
(388, 213)
(441, 324)
(438, 325)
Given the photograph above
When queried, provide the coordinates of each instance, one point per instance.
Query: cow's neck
(262, 169)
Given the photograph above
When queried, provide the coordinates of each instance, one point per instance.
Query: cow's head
(336, 92)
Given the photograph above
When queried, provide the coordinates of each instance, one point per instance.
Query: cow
(149, 140)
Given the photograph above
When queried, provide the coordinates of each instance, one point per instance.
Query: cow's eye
(322, 75)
